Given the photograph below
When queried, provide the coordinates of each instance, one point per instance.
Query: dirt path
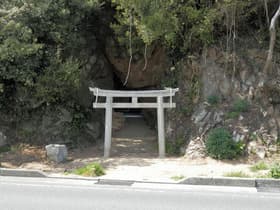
(135, 139)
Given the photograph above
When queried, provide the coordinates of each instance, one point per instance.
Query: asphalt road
(58, 194)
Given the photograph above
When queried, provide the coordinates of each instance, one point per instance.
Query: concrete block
(57, 152)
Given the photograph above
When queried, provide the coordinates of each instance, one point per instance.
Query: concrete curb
(233, 182)
(214, 181)
(268, 183)
(115, 182)
(21, 173)
(220, 181)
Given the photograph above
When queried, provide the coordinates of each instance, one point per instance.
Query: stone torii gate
(109, 105)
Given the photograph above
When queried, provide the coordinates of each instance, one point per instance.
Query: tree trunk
(272, 29)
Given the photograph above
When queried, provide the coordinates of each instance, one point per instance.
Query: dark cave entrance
(137, 136)
(149, 115)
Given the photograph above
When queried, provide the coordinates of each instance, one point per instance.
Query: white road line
(194, 187)
(75, 187)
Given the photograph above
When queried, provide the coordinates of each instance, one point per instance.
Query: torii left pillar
(108, 126)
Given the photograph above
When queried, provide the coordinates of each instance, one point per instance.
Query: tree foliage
(38, 39)
(185, 25)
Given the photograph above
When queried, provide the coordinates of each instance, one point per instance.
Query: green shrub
(92, 169)
(240, 105)
(275, 171)
(220, 145)
(213, 99)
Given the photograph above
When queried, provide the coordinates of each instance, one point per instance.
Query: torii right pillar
(161, 130)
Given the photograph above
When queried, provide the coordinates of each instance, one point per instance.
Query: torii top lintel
(167, 92)
(109, 94)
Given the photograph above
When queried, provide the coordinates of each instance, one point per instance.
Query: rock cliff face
(211, 90)
(142, 75)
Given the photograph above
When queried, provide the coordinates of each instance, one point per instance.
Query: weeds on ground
(92, 169)
(260, 166)
(177, 177)
(274, 171)
(240, 174)
(263, 170)
(263, 176)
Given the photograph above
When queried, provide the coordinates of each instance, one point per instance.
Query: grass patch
(92, 169)
(177, 177)
(240, 174)
(260, 166)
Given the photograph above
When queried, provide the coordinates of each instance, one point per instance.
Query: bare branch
(272, 29)
(145, 57)
(266, 11)
(130, 50)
